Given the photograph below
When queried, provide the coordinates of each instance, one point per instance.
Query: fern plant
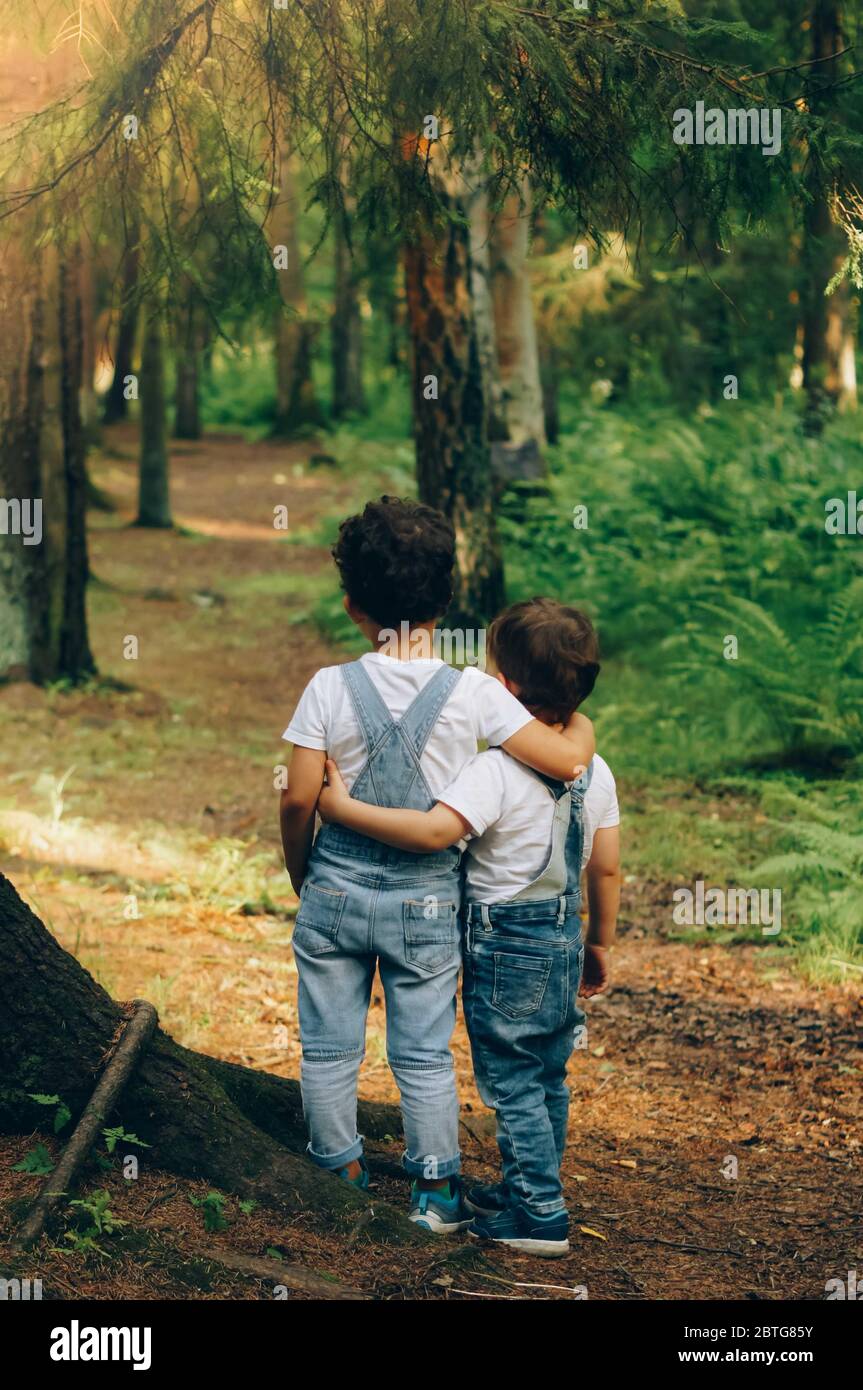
(822, 868)
(803, 691)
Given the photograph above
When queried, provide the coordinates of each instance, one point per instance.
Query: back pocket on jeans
(431, 934)
(317, 925)
(519, 983)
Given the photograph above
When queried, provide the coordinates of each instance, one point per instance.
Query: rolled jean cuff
(337, 1160)
(553, 1208)
(442, 1167)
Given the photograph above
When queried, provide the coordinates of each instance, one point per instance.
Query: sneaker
(361, 1180)
(442, 1210)
(547, 1236)
(485, 1199)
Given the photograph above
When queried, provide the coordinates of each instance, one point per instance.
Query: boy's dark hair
(396, 561)
(550, 651)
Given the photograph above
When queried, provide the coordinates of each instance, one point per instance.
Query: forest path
(703, 1061)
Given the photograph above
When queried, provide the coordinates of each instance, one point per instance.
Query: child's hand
(594, 977)
(333, 796)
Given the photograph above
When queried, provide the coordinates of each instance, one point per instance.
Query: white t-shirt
(478, 708)
(512, 811)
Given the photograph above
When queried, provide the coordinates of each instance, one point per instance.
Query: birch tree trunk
(829, 376)
(479, 221)
(521, 403)
(449, 406)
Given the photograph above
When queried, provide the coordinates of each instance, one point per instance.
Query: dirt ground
(715, 1126)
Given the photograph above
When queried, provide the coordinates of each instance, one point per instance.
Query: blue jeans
(363, 905)
(523, 964)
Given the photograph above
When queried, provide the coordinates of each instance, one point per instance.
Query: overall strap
(562, 871)
(424, 710)
(391, 774)
(575, 831)
(578, 790)
(552, 878)
(373, 717)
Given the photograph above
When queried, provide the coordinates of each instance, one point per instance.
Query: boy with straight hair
(523, 949)
(399, 725)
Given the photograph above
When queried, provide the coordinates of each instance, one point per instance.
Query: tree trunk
(116, 404)
(828, 334)
(515, 334)
(19, 352)
(450, 424)
(479, 221)
(241, 1130)
(43, 625)
(154, 501)
(90, 416)
(549, 373)
(296, 404)
(346, 327)
(48, 474)
(841, 335)
(548, 350)
(395, 313)
(187, 355)
(75, 656)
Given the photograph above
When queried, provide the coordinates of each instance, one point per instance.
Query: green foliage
(213, 1211)
(821, 862)
(37, 1162)
(117, 1134)
(62, 1114)
(583, 101)
(97, 1220)
(239, 391)
(801, 690)
(697, 531)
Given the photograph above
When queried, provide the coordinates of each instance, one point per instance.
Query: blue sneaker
(547, 1236)
(486, 1199)
(361, 1180)
(442, 1210)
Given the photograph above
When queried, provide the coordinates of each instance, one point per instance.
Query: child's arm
(297, 810)
(563, 756)
(603, 901)
(418, 831)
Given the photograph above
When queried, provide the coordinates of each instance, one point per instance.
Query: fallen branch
(292, 1276)
(687, 1247)
(119, 1068)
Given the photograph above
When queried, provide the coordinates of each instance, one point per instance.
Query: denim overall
(522, 970)
(364, 904)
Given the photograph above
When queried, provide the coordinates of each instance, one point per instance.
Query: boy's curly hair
(550, 651)
(395, 561)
